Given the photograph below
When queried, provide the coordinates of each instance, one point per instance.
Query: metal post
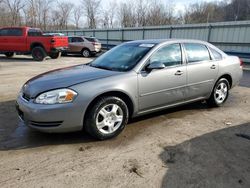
(107, 39)
(143, 33)
(209, 32)
(170, 32)
(122, 35)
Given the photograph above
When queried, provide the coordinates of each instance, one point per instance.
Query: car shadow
(217, 159)
(15, 135)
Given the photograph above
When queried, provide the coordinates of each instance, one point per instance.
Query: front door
(159, 88)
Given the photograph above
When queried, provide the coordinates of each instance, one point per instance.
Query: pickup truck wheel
(107, 118)
(86, 53)
(55, 55)
(220, 93)
(38, 53)
(9, 54)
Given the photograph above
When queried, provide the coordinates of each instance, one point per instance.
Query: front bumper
(50, 118)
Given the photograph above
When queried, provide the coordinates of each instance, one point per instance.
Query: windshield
(123, 57)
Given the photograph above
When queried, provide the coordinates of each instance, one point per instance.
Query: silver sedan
(132, 79)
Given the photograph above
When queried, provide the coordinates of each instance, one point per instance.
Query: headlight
(58, 96)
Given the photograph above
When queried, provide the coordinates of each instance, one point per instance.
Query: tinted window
(11, 32)
(169, 55)
(91, 39)
(216, 55)
(3, 32)
(76, 39)
(196, 52)
(34, 32)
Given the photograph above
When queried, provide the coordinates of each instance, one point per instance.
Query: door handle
(178, 73)
(213, 67)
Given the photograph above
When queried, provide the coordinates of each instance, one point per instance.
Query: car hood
(62, 78)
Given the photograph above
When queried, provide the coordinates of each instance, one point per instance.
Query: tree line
(64, 14)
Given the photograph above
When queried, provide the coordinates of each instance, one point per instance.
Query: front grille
(46, 124)
(26, 97)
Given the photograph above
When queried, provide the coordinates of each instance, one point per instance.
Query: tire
(220, 93)
(85, 52)
(111, 123)
(55, 55)
(9, 54)
(38, 53)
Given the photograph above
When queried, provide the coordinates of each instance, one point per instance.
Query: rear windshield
(34, 32)
(91, 39)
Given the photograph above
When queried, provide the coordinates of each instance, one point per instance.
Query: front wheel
(55, 55)
(9, 54)
(220, 93)
(107, 118)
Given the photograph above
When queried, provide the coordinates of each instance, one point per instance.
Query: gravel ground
(189, 146)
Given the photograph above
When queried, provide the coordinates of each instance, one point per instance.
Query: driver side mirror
(155, 65)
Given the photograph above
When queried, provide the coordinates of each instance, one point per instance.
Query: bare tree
(91, 9)
(14, 7)
(77, 13)
(126, 15)
(63, 12)
(108, 15)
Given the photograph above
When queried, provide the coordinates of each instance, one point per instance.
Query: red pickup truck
(26, 40)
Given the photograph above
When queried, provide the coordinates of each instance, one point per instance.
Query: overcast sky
(179, 4)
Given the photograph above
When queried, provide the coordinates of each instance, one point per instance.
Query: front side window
(77, 39)
(196, 52)
(169, 55)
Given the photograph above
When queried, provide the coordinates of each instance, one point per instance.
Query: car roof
(159, 41)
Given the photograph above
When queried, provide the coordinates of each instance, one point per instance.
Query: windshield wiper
(101, 67)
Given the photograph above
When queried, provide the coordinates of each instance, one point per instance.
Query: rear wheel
(55, 55)
(86, 53)
(220, 93)
(9, 54)
(38, 53)
(107, 118)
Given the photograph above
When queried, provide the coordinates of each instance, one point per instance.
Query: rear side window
(196, 52)
(91, 39)
(11, 32)
(216, 55)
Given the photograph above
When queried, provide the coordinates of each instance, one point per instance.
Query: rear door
(163, 87)
(15, 40)
(201, 70)
(76, 44)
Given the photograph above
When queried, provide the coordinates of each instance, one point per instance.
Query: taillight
(94, 43)
(241, 63)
